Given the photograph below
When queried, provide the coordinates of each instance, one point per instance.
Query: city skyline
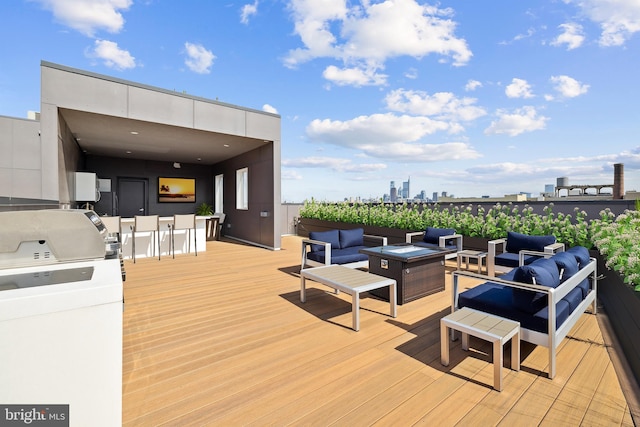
(462, 98)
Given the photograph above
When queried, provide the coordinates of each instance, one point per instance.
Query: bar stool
(184, 222)
(113, 226)
(145, 223)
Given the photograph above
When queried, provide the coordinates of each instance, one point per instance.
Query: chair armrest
(493, 247)
(380, 240)
(409, 236)
(554, 248)
(442, 241)
(306, 243)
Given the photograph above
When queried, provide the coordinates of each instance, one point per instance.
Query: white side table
(487, 327)
(466, 255)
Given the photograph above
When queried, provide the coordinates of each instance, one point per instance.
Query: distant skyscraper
(394, 194)
(435, 196)
(405, 189)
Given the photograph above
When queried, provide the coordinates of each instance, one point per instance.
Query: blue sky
(472, 98)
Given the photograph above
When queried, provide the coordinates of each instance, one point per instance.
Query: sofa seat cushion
(517, 242)
(340, 256)
(353, 237)
(496, 299)
(329, 236)
(508, 259)
(432, 235)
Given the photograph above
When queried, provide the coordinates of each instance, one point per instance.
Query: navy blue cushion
(496, 299)
(354, 237)
(432, 235)
(339, 256)
(330, 236)
(543, 272)
(507, 259)
(517, 242)
(567, 263)
(581, 253)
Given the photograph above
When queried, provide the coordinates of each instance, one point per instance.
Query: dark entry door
(133, 197)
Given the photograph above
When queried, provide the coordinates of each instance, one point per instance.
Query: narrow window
(242, 188)
(218, 205)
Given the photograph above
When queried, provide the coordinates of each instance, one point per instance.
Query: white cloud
(290, 175)
(569, 87)
(442, 105)
(518, 89)
(247, 11)
(390, 137)
(112, 55)
(375, 129)
(572, 36)
(333, 163)
(472, 85)
(89, 16)
(269, 109)
(199, 59)
(522, 120)
(353, 76)
(367, 35)
(618, 19)
(411, 73)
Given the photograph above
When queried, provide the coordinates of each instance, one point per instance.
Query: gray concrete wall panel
(27, 183)
(79, 92)
(219, 118)
(6, 144)
(263, 126)
(27, 152)
(49, 144)
(160, 107)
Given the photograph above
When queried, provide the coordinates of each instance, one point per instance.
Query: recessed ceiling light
(198, 159)
(226, 145)
(133, 132)
(128, 152)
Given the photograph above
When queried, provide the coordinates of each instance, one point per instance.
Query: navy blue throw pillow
(330, 236)
(350, 238)
(517, 242)
(432, 234)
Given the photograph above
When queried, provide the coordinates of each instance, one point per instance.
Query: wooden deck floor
(222, 339)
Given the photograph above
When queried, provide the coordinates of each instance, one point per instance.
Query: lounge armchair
(338, 247)
(432, 237)
(518, 249)
(547, 296)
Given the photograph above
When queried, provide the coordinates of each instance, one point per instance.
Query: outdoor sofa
(518, 249)
(338, 247)
(547, 296)
(433, 237)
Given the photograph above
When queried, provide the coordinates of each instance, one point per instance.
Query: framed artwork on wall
(176, 190)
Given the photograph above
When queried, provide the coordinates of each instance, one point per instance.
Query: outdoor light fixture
(176, 165)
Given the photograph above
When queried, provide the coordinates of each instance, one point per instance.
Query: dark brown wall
(113, 168)
(249, 225)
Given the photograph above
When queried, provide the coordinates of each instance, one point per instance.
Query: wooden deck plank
(222, 339)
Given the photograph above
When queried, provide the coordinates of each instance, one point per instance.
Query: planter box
(622, 305)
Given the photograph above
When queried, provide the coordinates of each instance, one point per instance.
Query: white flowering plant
(618, 242)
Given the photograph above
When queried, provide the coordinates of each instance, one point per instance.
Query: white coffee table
(466, 255)
(487, 327)
(350, 281)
